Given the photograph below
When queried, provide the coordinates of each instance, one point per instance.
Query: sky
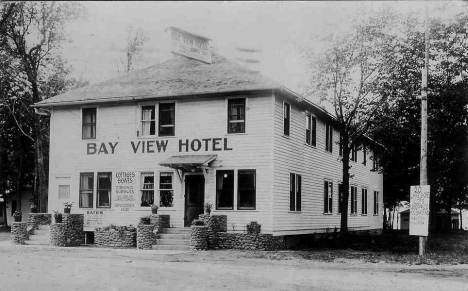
(275, 28)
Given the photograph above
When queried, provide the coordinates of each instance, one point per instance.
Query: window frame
(103, 189)
(328, 138)
(238, 190)
(61, 186)
(142, 185)
(327, 197)
(364, 153)
(158, 118)
(91, 189)
(353, 190)
(353, 153)
(311, 129)
(286, 120)
(364, 199)
(229, 121)
(295, 192)
(164, 189)
(141, 121)
(95, 127)
(232, 192)
(376, 202)
(340, 196)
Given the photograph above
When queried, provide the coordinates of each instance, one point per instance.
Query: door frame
(183, 191)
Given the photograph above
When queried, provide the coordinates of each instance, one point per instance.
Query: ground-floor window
(327, 197)
(353, 200)
(246, 188)
(166, 190)
(64, 191)
(340, 197)
(295, 185)
(376, 202)
(104, 188)
(225, 189)
(86, 190)
(147, 189)
(364, 201)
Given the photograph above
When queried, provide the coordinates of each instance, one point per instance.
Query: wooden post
(423, 162)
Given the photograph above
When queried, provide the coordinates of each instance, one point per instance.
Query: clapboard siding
(196, 118)
(314, 164)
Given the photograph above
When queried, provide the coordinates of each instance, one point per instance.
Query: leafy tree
(31, 35)
(135, 42)
(347, 74)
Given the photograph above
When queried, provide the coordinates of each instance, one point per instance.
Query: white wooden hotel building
(199, 128)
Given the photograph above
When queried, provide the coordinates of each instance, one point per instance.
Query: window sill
(353, 214)
(295, 212)
(363, 214)
(376, 215)
(327, 213)
(310, 146)
(155, 137)
(285, 136)
(236, 133)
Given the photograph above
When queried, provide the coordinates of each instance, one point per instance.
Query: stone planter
(145, 236)
(19, 232)
(66, 210)
(58, 219)
(17, 218)
(58, 234)
(115, 239)
(199, 237)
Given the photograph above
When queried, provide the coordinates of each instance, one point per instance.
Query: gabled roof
(178, 76)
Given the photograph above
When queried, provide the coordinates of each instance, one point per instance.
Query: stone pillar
(36, 219)
(58, 234)
(19, 232)
(199, 237)
(74, 228)
(145, 236)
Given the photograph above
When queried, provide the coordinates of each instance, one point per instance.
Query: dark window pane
(166, 119)
(298, 193)
(89, 123)
(246, 189)
(104, 190)
(314, 131)
(292, 192)
(287, 118)
(225, 189)
(236, 115)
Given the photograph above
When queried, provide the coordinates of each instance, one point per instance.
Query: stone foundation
(145, 236)
(36, 219)
(199, 238)
(214, 235)
(114, 238)
(19, 232)
(74, 229)
(58, 234)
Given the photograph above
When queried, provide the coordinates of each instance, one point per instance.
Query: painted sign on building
(419, 210)
(93, 218)
(190, 45)
(125, 190)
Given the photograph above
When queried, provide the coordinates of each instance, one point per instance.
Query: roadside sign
(419, 210)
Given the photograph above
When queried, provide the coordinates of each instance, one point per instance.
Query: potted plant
(17, 215)
(154, 208)
(207, 207)
(68, 206)
(33, 208)
(58, 216)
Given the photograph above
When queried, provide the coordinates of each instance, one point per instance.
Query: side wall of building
(119, 150)
(316, 165)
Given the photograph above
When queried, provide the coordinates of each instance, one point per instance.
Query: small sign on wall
(419, 210)
(94, 218)
(125, 190)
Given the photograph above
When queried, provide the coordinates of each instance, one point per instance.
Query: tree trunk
(449, 213)
(393, 217)
(344, 203)
(461, 218)
(20, 173)
(41, 187)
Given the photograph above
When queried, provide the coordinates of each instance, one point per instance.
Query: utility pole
(423, 163)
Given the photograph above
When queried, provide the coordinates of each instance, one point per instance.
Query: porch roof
(188, 161)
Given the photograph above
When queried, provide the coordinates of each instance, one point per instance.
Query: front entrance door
(194, 197)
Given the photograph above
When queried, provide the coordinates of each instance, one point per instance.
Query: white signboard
(93, 218)
(419, 210)
(189, 45)
(125, 190)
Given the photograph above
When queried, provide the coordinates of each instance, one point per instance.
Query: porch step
(41, 236)
(174, 236)
(184, 242)
(171, 247)
(177, 230)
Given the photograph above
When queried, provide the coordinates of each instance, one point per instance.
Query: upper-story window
(311, 130)
(236, 115)
(364, 157)
(166, 120)
(353, 154)
(328, 138)
(286, 118)
(89, 123)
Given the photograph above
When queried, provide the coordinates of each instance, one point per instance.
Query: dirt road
(51, 269)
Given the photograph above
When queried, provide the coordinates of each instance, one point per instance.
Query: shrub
(145, 220)
(253, 227)
(198, 222)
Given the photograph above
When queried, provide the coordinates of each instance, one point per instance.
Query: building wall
(315, 165)
(26, 196)
(197, 118)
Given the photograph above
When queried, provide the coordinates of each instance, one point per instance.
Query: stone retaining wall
(74, 228)
(36, 219)
(19, 232)
(199, 238)
(145, 236)
(214, 235)
(114, 238)
(58, 234)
